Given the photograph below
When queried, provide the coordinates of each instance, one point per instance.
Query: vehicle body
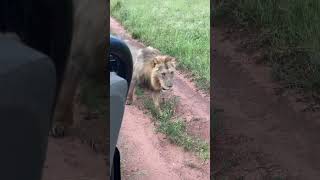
(28, 89)
(32, 60)
(120, 69)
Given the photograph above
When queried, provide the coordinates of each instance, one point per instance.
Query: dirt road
(147, 154)
(80, 155)
(263, 135)
(69, 159)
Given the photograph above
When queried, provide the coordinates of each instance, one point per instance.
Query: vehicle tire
(120, 52)
(116, 171)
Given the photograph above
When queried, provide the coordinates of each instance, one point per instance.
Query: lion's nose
(170, 85)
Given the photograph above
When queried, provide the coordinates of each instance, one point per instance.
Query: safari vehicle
(31, 66)
(32, 57)
(120, 69)
(28, 90)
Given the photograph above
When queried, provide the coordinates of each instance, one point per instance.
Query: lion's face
(164, 69)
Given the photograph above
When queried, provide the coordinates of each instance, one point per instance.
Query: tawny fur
(152, 71)
(88, 49)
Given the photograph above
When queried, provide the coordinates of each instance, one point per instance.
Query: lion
(152, 71)
(87, 57)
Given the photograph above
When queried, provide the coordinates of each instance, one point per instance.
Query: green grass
(175, 129)
(289, 30)
(139, 91)
(180, 28)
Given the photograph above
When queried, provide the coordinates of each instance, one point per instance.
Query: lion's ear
(170, 59)
(173, 61)
(155, 61)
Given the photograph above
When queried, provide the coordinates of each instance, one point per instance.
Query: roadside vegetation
(289, 33)
(174, 127)
(178, 28)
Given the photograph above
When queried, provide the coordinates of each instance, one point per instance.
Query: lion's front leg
(131, 91)
(63, 114)
(156, 101)
(62, 119)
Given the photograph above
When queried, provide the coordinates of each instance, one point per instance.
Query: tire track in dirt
(193, 106)
(147, 154)
(264, 135)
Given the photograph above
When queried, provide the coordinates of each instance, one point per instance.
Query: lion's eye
(171, 72)
(163, 74)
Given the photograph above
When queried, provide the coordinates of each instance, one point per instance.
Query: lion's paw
(58, 130)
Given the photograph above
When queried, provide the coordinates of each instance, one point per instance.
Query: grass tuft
(175, 129)
(292, 36)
